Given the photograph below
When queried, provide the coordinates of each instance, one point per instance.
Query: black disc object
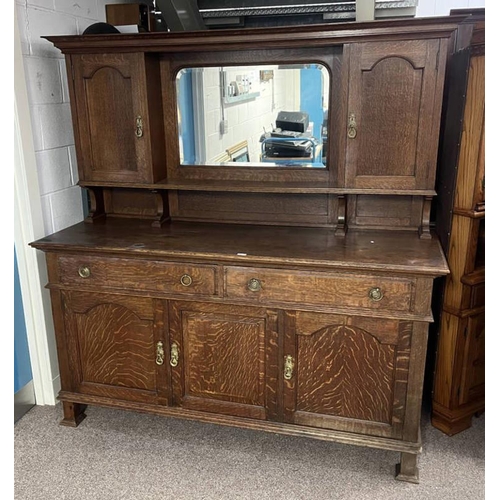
(99, 29)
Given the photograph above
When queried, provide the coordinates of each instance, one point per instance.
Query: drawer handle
(375, 294)
(254, 285)
(186, 280)
(160, 353)
(174, 355)
(288, 367)
(84, 271)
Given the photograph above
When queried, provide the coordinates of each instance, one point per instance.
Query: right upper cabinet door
(393, 115)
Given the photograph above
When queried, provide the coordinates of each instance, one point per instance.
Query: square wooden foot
(407, 469)
(74, 413)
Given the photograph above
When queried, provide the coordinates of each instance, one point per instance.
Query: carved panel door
(346, 373)
(394, 108)
(111, 110)
(112, 343)
(224, 359)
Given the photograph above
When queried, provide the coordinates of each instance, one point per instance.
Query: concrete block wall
(49, 101)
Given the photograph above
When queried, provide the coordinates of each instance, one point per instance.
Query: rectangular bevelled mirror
(254, 115)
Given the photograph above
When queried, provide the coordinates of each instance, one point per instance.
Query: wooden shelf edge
(250, 187)
(474, 278)
(473, 214)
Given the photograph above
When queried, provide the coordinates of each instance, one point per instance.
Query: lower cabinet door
(346, 373)
(114, 345)
(224, 359)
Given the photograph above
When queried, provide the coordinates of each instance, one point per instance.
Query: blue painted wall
(22, 366)
(185, 93)
(311, 87)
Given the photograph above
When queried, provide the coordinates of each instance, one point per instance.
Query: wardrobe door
(394, 107)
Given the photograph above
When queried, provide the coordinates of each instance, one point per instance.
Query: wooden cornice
(260, 38)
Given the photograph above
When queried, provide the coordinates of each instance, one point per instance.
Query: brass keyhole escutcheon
(289, 364)
(84, 272)
(352, 131)
(254, 285)
(174, 355)
(375, 294)
(138, 127)
(186, 280)
(160, 353)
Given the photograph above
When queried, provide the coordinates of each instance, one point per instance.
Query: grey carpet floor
(122, 455)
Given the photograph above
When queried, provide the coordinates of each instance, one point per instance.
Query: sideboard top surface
(396, 251)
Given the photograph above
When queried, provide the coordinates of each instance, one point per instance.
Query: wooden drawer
(138, 274)
(323, 288)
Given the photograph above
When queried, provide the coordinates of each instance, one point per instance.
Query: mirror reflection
(263, 116)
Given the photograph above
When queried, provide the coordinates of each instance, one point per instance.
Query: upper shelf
(257, 187)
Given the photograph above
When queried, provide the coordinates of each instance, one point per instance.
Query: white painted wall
(49, 101)
(47, 198)
(442, 7)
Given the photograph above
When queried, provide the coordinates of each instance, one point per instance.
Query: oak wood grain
(222, 365)
(318, 288)
(138, 275)
(111, 341)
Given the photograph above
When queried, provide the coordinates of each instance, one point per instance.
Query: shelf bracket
(341, 228)
(162, 212)
(96, 210)
(424, 230)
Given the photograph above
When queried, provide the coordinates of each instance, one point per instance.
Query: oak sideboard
(290, 295)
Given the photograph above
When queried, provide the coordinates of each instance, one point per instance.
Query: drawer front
(323, 288)
(138, 275)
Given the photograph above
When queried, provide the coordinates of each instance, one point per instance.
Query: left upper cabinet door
(117, 111)
(115, 346)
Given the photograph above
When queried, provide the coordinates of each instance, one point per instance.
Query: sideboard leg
(74, 413)
(407, 469)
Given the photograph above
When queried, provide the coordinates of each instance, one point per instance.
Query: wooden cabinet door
(112, 346)
(225, 359)
(473, 372)
(346, 373)
(112, 115)
(394, 106)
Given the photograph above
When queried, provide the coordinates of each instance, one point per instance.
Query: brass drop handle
(160, 353)
(174, 354)
(138, 127)
(375, 294)
(186, 280)
(289, 364)
(84, 271)
(352, 130)
(254, 285)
